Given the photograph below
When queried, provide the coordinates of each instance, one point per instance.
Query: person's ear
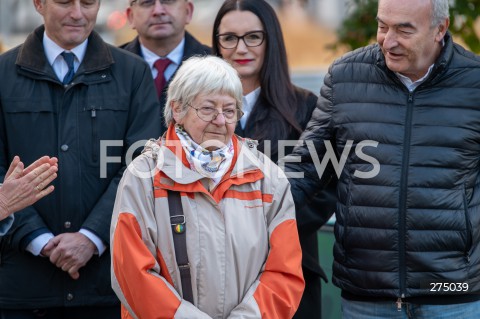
(177, 112)
(442, 30)
(129, 13)
(189, 14)
(39, 6)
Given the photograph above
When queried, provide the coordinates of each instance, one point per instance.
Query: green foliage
(360, 28)
(463, 16)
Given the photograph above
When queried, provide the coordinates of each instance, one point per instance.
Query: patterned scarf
(211, 164)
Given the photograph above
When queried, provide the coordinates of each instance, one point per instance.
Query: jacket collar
(32, 55)
(244, 150)
(176, 175)
(133, 46)
(192, 47)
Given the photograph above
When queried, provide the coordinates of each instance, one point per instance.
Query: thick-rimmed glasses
(208, 113)
(251, 39)
(150, 3)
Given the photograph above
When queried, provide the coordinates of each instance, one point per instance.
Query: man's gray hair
(202, 75)
(439, 11)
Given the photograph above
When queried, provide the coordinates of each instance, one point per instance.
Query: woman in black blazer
(248, 35)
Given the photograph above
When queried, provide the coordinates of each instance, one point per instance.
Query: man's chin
(395, 66)
(72, 42)
(161, 30)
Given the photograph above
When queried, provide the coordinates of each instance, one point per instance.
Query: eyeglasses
(251, 39)
(151, 3)
(208, 114)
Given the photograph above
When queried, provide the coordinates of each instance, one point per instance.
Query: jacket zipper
(93, 115)
(399, 302)
(467, 226)
(403, 197)
(345, 220)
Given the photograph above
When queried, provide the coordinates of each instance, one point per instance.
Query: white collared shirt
(411, 85)
(53, 51)
(175, 56)
(248, 102)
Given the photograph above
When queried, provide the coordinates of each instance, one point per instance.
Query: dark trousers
(111, 312)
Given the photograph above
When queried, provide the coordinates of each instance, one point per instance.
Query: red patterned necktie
(160, 81)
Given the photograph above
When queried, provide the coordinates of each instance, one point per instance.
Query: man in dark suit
(67, 94)
(162, 40)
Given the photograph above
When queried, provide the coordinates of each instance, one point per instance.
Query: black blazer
(192, 47)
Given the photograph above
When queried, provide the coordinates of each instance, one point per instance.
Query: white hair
(202, 75)
(440, 11)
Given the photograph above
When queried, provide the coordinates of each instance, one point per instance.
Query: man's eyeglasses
(208, 114)
(251, 39)
(151, 3)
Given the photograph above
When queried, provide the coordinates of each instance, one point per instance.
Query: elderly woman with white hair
(204, 224)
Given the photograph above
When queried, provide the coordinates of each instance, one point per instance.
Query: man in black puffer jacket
(404, 114)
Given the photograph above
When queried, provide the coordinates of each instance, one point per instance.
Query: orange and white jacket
(242, 240)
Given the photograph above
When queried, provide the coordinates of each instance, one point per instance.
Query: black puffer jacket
(416, 220)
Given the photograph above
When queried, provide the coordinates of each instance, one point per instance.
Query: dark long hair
(277, 91)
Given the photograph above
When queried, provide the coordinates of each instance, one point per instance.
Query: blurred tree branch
(359, 28)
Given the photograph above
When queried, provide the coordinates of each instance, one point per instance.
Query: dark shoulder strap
(177, 220)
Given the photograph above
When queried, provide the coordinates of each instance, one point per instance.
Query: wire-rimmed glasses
(208, 113)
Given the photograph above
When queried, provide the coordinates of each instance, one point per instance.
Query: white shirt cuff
(36, 245)
(95, 239)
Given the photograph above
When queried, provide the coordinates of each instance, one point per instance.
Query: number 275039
(448, 287)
